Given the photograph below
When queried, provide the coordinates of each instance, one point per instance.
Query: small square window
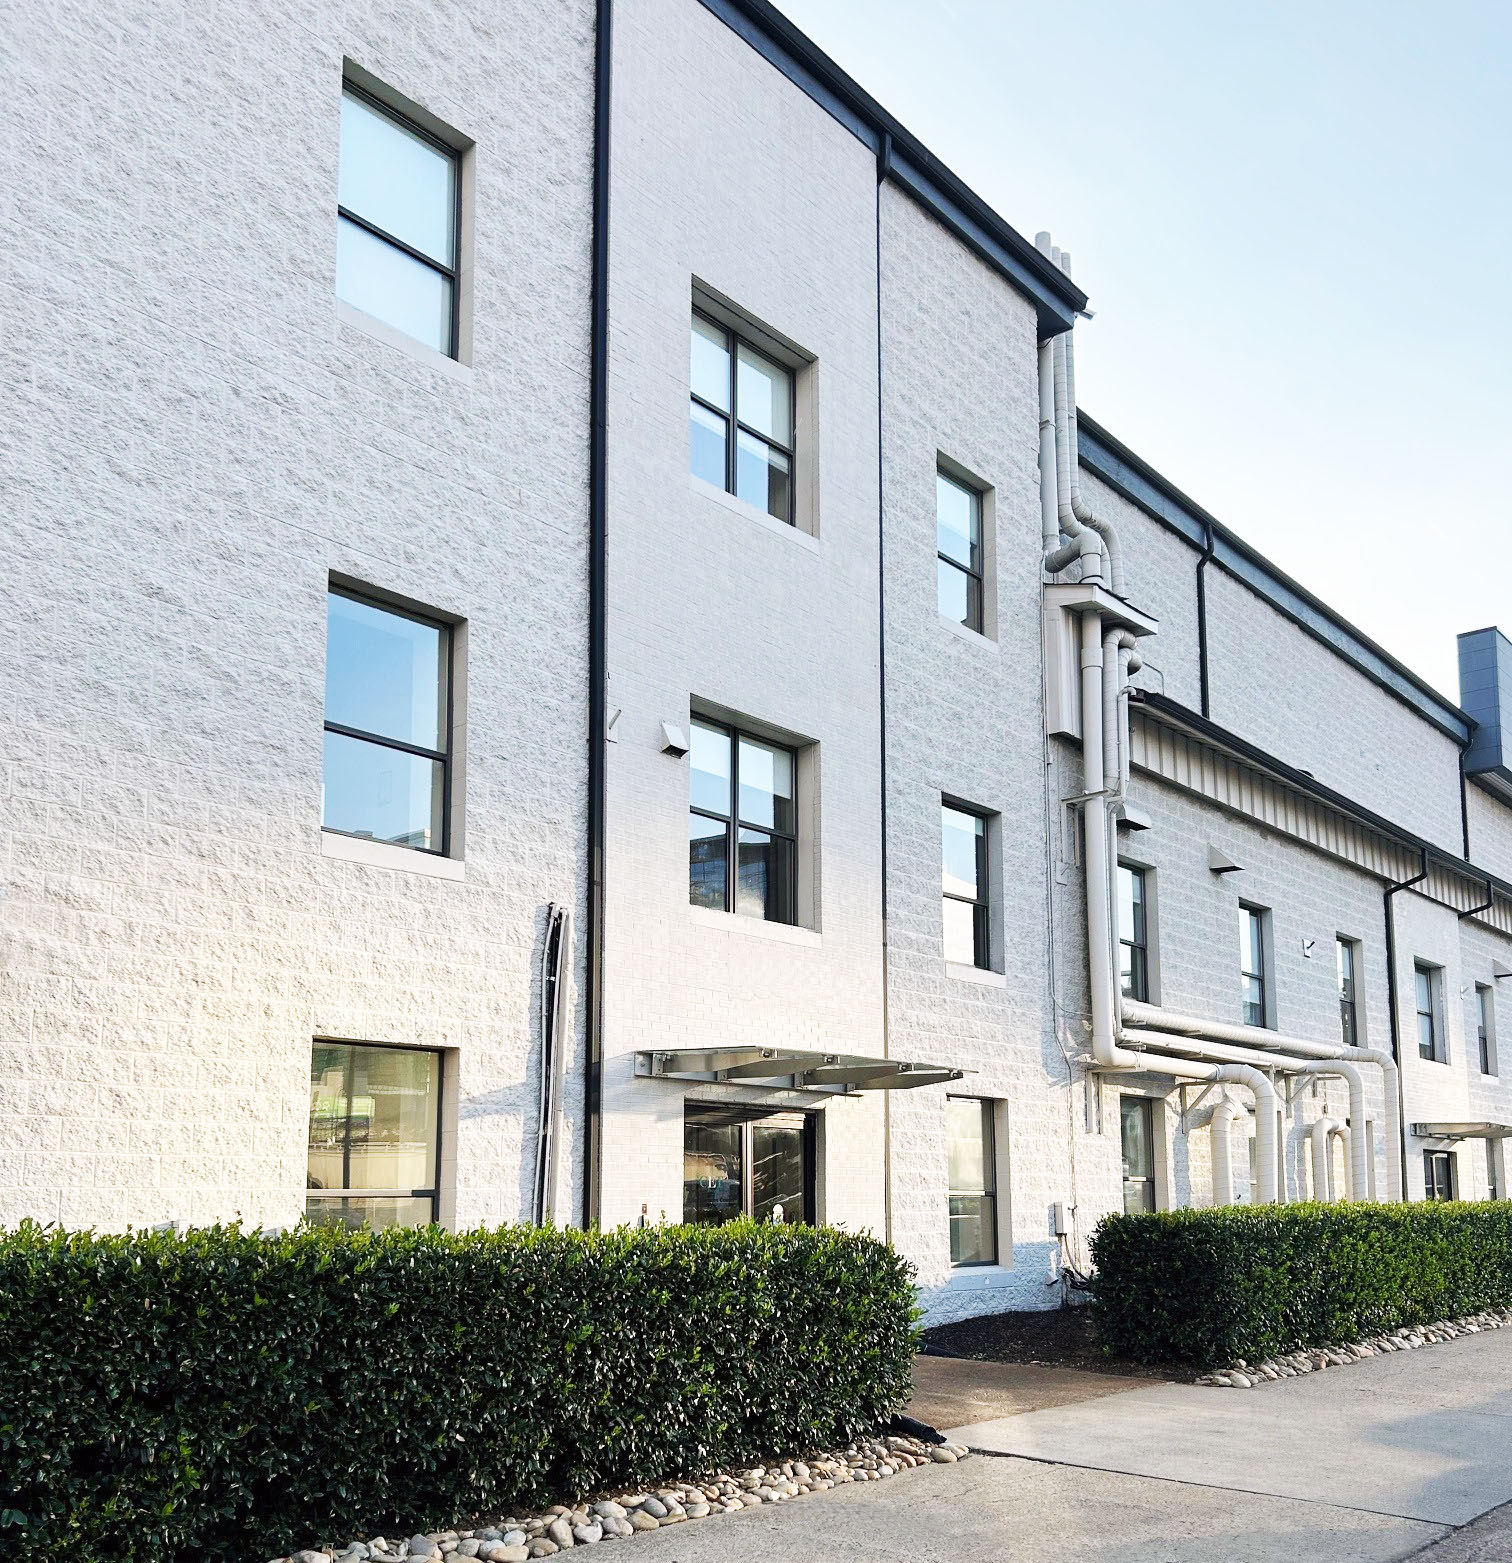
(740, 418)
(387, 724)
(397, 223)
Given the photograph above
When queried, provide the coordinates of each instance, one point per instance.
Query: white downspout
(1225, 1115)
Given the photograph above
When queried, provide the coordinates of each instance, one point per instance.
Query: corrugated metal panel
(1185, 761)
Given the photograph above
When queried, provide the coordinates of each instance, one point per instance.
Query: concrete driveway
(1387, 1459)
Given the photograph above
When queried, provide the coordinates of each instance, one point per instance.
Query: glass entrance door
(736, 1162)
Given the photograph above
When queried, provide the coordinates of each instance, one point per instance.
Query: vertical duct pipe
(1225, 1115)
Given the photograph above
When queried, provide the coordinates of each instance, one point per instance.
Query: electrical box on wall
(1058, 1219)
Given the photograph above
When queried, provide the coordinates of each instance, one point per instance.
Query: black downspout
(884, 165)
(1464, 803)
(1391, 1009)
(598, 663)
(1202, 633)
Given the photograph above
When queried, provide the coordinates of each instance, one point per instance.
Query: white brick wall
(192, 443)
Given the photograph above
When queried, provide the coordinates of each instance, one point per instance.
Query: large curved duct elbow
(1322, 1169)
(1225, 1115)
(1265, 1125)
(1391, 1081)
(1360, 1149)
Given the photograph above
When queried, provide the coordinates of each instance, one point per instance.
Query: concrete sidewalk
(1385, 1460)
(950, 1391)
(1419, 1435)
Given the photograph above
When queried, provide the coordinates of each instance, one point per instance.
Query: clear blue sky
(1294, 223)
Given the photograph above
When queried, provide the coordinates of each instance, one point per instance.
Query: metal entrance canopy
(776, 1068)
(1463, 1131)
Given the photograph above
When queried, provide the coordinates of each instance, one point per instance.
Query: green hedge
(1211, 1286)
(221, 1395)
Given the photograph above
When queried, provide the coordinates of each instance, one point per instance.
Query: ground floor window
(1136, 1123)
(375, 1126)
(1438, 1174)
(972, 1150)
(742, 1163)
(1493, 1170)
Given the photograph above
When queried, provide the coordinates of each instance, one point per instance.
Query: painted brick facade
(197, 439)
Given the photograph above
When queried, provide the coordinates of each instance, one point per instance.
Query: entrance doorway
(742, 1162)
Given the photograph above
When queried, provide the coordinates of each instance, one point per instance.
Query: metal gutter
(598, 621)
(909, 164)
(1117, 466)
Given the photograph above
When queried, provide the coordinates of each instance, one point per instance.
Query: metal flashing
(907, 161)
(1117, 466)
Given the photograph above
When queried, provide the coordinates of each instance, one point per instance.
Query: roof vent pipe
(1073, 508)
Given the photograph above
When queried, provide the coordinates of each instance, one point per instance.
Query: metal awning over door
(789, 1069)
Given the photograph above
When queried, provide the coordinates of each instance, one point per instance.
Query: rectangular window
(1346, 953)
(374, 1135)
(958, 546)
(1485, 1027)
(1428, 991)
(1252, 975)
(754, 1164)
(972, 1154)
(1493, 1170)
(1133, 933)
(1438, 1175)
(742, 824)
(397, 223)
(740, 419)
(1136, 1127)
(963, 887)
(387, 724)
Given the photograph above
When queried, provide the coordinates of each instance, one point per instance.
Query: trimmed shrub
(1210, 1286)
(222, 1395)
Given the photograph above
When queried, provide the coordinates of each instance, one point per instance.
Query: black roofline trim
(1241, 748)
(1140, 484)
(1057, 300)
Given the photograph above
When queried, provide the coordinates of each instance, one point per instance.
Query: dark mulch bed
(1058, 1337)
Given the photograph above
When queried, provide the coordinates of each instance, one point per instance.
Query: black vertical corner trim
(1202, 624)
(884, 165)
(1391, 1004)
(598, 663)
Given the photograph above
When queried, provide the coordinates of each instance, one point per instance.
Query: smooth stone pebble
(654, 1507)
(588, 1534)
(542, 1549)
(560, 1532)
(609, 1506)
(942, 1455)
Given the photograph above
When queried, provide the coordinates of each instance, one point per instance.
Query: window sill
(965, 631)
(749, 512)
(977, 1278)
(959, 972)
(755, 927)
(383, 854)
(381, 331)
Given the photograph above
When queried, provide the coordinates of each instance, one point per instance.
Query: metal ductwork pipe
(1225, 1115)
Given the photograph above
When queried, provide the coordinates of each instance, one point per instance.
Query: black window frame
(1433, 1162)
(981, 904)
(1145, 1107)
(1139, 945)
(1247, 910)
(1493, 1172)
(452, 273)
(1485, 1027)
(349, 1194)
(443, 756)
(976, 587)
(1349, 989)
(734, 824)
(989, 1195)
(1438, 1046)
(734, 341)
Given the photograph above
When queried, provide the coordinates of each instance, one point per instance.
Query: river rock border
(1294, 1364)
(625, 1515)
